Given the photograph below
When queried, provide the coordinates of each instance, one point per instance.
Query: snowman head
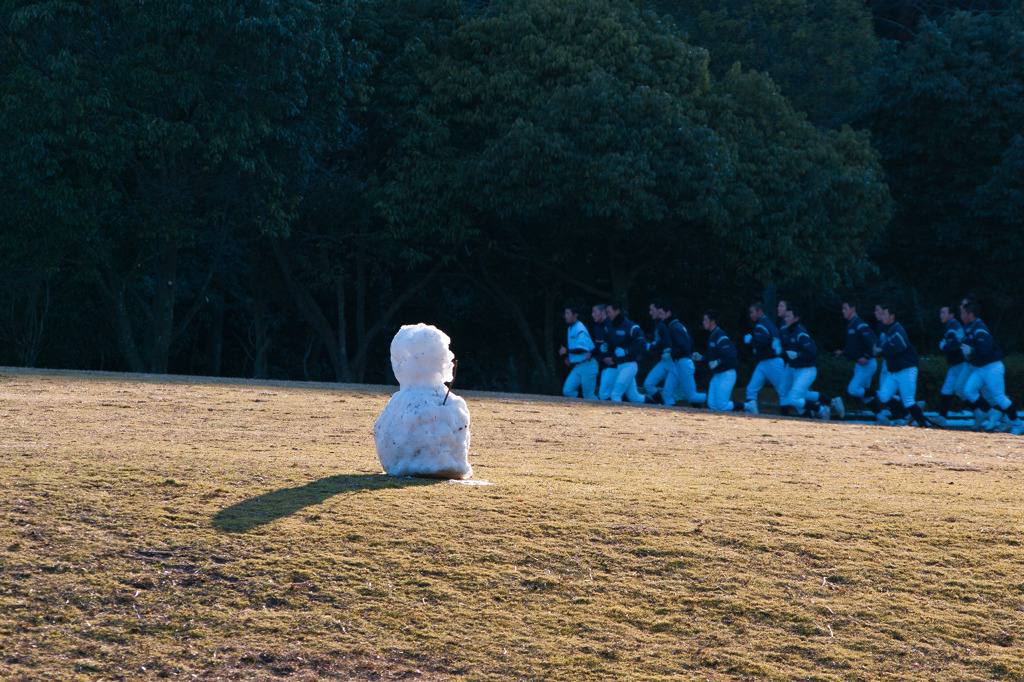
(420, 356)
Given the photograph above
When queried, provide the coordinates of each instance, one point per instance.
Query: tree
(152, 134)
(899, 19)
(351, 264)
(807, 204)
(822, 55)
(948, 124)
(584, 144)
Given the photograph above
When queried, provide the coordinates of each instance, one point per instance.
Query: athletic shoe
(838, 407)
(824, 414)
(979, 420)
(1018, 427)
(883, 418)
(750, 407)
(995, 416)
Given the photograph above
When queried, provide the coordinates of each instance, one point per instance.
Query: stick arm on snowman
(455, 368)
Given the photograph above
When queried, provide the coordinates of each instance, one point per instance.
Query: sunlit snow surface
(417, 435)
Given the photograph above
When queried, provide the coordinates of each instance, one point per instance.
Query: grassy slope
(162, 528)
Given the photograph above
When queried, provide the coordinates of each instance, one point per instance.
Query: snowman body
(424, 429)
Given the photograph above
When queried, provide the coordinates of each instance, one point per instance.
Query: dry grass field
(178, 528)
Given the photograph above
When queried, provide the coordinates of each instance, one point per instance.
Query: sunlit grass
(219, 530)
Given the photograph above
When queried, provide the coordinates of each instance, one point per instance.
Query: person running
(722, 361)
(578, 354)
(765, 343)
(628, 345)
(682, 348)
(901, 378)
(952, 333)
(896, 410)
(780, 310)
(859, 345)
(662, 348)
(801, 354)
(602, 335)
(982, 406)
(985, 356)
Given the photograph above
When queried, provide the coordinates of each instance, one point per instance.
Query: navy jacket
(860, 340)
(796, 338)
(720, 348)
(765, 332)
(601, 334)
(784, 334)
(662, 340)
(950, 343)
(984, 348)
(896, 348)
(628, 335)
(682, 342)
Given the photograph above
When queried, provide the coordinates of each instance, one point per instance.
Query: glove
(942, 344)
(666, 354)
(620, 352)
(746, 339)
(777, 346)
(713, 364)
(967, 350)
(791, 354)
(696, 357)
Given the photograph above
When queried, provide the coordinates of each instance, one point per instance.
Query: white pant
(660, 372)
(953, 378)
(625, 383)
(799, 390)
(583, 376)
(992, 379)
(720, 390)
(961, 385)
(608, 376)
(861, 378)
(773, 371)
(682, 382)
(903, 382)
(788, 383)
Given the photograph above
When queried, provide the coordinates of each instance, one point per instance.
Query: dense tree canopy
(823, 55)
(151, 137)
(270, 189)
(948, 122)
(583, 123)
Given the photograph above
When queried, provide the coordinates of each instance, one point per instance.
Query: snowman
(424, 428)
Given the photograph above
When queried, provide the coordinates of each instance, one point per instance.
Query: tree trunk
(262, 340)
(549, 371)
(310, 310)
(113, 288)
(162, 316)
(511, 306)
(215, 347)
(339, 289)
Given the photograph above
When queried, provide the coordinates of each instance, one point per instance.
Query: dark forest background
(270, 189)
